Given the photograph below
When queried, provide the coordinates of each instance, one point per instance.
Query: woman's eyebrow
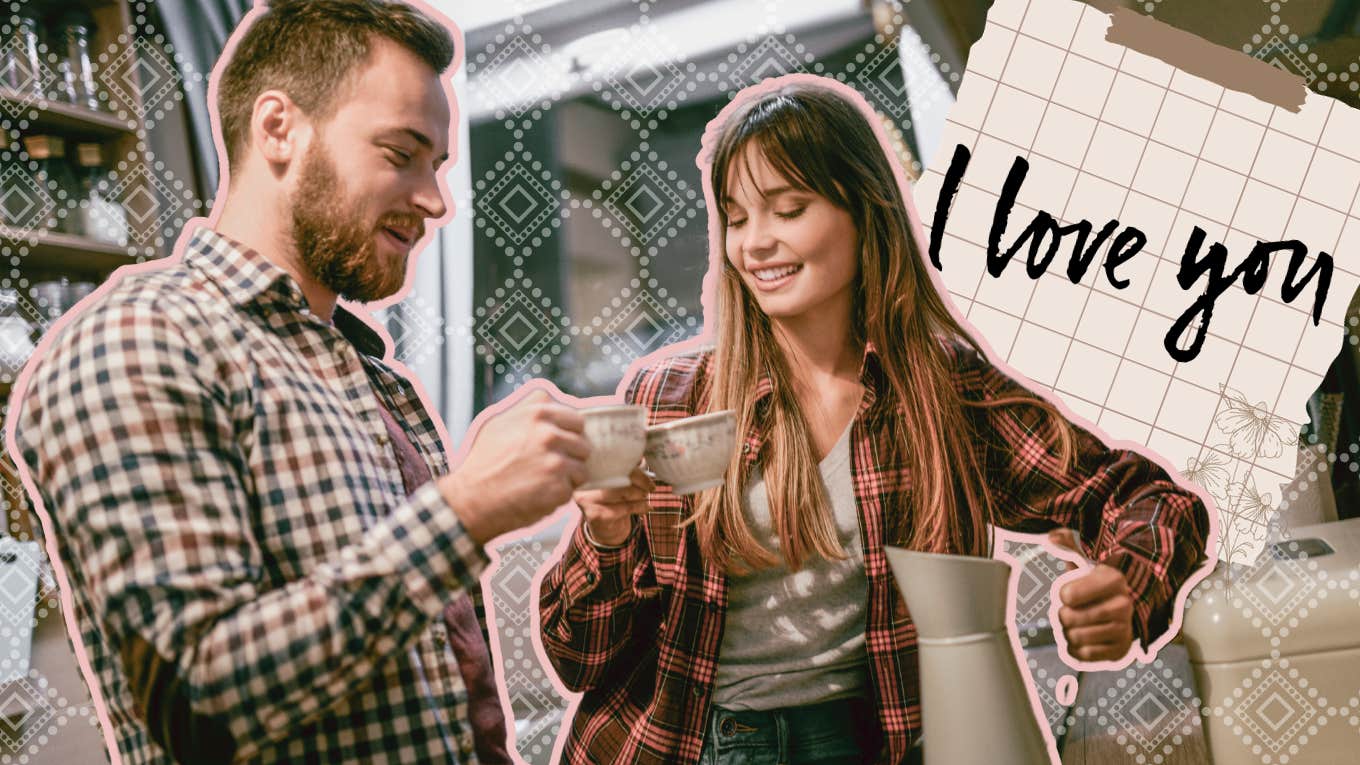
(767, 193)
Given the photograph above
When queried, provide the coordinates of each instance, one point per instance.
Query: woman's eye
(791, 214)
(734, 223)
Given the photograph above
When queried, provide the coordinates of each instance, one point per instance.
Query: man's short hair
(309, 49)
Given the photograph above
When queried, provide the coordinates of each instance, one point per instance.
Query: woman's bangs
(779, 151)
(740, 170)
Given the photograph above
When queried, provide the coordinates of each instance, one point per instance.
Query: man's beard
(334, 244)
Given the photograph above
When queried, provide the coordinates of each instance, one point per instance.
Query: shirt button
(746, 448)
(697, 691)
(713, 605)
(382, 439)
(590, 577)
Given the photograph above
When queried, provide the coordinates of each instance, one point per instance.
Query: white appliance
(1275, 650)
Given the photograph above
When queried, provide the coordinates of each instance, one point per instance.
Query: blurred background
(587, 226)
(579, 243)
(610, 100)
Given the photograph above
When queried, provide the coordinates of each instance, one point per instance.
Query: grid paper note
(1112, 133)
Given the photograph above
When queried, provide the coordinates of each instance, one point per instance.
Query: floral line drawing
(1253, 431)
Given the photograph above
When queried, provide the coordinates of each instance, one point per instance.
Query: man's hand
(1097, 609)
(609, 512)
(525, 463)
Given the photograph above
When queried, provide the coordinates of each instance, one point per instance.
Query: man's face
(355, 220)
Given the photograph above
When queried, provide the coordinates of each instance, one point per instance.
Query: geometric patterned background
(523, 327)
(649, 207)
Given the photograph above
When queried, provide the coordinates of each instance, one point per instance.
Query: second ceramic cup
(617, 436)
(692, 454)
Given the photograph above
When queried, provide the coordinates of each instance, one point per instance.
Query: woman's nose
(759, 236)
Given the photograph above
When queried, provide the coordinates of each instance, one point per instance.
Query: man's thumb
(537, 395)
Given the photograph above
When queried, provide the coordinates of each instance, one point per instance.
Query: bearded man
(266, 556)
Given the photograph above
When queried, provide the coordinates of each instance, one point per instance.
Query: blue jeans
(837, 732)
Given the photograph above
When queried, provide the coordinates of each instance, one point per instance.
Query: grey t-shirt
(797, 638)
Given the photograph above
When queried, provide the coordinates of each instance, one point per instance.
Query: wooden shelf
(66, 253)
(70, 119)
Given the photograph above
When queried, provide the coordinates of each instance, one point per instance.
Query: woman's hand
(609, 512)
(1097, 609)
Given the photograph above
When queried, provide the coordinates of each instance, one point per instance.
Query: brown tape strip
(1232, 69)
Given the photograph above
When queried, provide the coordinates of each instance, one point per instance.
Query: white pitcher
(975, 708)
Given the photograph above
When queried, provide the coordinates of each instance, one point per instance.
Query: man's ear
(277, 127)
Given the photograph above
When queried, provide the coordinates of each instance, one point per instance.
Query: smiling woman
(776, 232)
(757, 622)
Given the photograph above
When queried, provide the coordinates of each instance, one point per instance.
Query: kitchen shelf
(68, 119)
(76, 255)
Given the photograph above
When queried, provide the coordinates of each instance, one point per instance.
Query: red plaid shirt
(637, 629)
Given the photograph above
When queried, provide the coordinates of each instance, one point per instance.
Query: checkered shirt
(250, 579)
(637, 629)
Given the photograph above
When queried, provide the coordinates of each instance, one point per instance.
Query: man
(226, 461)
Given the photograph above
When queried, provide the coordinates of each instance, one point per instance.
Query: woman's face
(796, 251)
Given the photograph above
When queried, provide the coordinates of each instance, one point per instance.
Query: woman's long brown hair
(821, 142)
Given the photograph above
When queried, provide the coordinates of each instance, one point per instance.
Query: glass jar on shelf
(52, 298)
(80, 291)
(49, 152)
(21, 69)
(16, 336)
(100, 218)
(75, 31)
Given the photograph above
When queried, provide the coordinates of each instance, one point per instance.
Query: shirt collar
(248, 278)
(870, 375)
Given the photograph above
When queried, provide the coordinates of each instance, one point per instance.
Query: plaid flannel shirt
(638, 628)
(250, 580)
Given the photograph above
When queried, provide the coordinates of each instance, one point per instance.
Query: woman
(758, 622)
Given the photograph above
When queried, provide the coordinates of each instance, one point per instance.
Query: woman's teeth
(770, 274)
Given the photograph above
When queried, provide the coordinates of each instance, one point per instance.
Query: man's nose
(429, 198)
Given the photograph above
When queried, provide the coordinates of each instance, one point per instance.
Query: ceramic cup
(692, 454)
(617, 435)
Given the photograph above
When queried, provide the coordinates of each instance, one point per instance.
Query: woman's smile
(771, 278)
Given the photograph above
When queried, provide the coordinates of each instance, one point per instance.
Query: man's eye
(397, 157)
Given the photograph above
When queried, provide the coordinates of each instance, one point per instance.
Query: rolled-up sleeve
(1127, 510)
